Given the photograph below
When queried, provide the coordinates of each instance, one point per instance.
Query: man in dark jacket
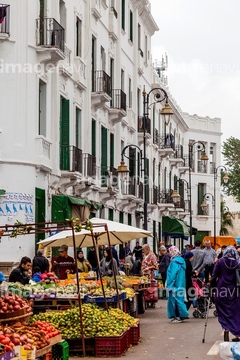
(137, 251)
(22, 273)
(40, 261)
(164, 260)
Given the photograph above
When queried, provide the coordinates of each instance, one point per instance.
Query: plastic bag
(225, 351)
(235, 349)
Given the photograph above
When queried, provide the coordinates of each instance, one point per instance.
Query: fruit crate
(134, 333)
(60, 351)
(75, 346)
(90, 299)
(111, 346)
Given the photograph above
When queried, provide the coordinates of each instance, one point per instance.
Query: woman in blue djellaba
(226, 294)
(176, 287)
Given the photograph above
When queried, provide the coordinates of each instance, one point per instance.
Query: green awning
(174, 227)
(78, 201)
(97, 206)
(2, 192)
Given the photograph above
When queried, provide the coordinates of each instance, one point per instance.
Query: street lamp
(175, 195)
(159, 95)
(204, 159)
(225, 180)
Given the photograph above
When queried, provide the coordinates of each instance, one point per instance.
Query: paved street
(162, 340)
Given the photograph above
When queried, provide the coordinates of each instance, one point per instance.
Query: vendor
(149, 263)
(108, 264)
(82, 263)
(64, 264)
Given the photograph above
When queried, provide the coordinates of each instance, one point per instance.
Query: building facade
(72, 78)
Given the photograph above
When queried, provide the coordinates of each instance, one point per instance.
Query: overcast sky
(202, 41)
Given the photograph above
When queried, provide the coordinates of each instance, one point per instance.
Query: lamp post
(159, 95)
(204, 158)
(225, 180)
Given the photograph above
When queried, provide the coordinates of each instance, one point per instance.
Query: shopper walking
(176, 287)
(227, 299)
(164, 261)
(209, 260)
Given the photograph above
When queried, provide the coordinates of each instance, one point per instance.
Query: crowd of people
(177, 270)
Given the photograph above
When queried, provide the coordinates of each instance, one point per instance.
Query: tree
(231, 154)
(226, 220)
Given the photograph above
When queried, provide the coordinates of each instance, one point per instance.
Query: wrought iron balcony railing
(141, 125)
(165, 197)
(50, 33)
(101, 82)
(70, 158)
(118, 100)
(166, 141)
(204, 211)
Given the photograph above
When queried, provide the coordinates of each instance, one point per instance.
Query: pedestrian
(83, 264)
(164, 260)
(115, 255)
(22, 273)
(64, 264)
(198, 260)
(189, 256)
(124, 252)
(222, 251)
(227, 299)
(92, 259)
(128, 263)
(176, 287)
(149, 262)
(137, 251)
(40, 261)
(209, 260)
(108, 264)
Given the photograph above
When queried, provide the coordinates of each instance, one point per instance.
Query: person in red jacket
(64, 264)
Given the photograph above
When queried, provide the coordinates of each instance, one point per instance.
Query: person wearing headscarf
(226, 294)
(176, 287)
(83, 264)
(189, 272)
(108, 264)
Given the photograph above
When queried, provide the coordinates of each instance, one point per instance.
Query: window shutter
(93, 137)
(64, 135)
(123, 14)
(104, 154)
(111, 151)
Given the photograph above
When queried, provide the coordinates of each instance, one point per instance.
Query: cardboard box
(22, 354)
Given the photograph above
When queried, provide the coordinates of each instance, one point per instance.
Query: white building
(72, 77)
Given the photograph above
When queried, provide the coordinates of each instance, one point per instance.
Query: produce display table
(41, 305)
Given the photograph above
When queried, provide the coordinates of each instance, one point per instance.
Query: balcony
(70, 158)
(184, 165)
(43, 153)
(141, 128)
(140, 62)
(177, 157)
(89, 165)
(101, 89)
(49, 40)
(165, 200)
(80, 73)
(113, 24)
(118, 107)
(4, 21)
(65, 67)
(182, 204)
(166, 145)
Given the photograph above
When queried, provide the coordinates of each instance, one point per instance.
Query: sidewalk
(162, 340)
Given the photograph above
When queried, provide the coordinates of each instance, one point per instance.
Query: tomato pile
(49, 330)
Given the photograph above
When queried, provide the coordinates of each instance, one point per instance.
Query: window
(64, 134)
(201, 167)
(93, 137)
(139, 40)
(146, 49)
(123, 14)
(78, 37)
(42, 111)
(103, 59)
(111, 151)
(131, 26)
(138, 101)
(78, 128)
(201, 192)
(122, 79)
(129, 92)
(93, 62)
(212, 158)
(104, 154)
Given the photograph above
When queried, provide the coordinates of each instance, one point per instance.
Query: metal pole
(214, 207)
(190, 189)
(145, 113)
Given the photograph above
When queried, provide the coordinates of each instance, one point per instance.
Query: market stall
(82, 305)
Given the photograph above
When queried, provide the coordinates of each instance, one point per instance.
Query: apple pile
(11, 303)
